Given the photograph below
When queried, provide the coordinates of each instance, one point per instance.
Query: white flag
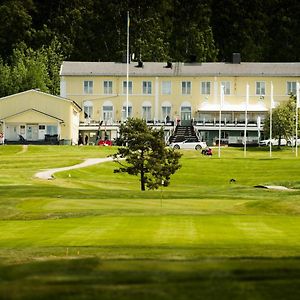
(247, 96)
(272, 96)
(221, 96)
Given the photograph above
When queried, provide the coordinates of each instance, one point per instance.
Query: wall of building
(196, 99)
(37, 109)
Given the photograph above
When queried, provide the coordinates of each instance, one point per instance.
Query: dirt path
(48, 174)
(24, 149)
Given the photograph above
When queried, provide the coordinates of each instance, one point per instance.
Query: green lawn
(91, 234)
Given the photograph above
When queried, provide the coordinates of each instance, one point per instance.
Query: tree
(283, 120)
(191, 37)
(31, 69)
(145, 154)
(15, 24)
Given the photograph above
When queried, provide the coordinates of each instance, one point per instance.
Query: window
(125, 87)
(88, 87)
(205, 87)
(260, 88)
(166, 113)
(291, 87)
(124, 112)
(51, 129)
(146, 113)
(42, 127)
(107, 113)
(186, 114)
(147, 87)
(166, 87)
(107, 85)
(88, 109)
(226, 85)
(186, 87)
(22, 129)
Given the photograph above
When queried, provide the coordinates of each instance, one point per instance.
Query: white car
(188, 144)
(292, 142)
(274, 142)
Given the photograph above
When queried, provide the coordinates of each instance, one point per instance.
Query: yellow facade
(34, 116)
(185, 92)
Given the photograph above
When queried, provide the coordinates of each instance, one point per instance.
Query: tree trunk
(142, 181)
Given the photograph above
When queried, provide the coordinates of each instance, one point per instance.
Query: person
(209, 152)
(80, 140)
(86, 139)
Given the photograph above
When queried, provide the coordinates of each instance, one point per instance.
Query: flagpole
(297, 108)
(246, 119)
(127, 69)
(220, 117)
(271, 108)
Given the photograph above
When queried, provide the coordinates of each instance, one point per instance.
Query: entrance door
(108, 114)
(12, 133)
(32, 132)
(186, 115)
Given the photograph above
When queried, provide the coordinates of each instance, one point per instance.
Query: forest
(37, 35)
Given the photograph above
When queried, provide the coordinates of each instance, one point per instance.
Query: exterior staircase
(182, 133)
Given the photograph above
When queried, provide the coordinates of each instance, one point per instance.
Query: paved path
(48, 174)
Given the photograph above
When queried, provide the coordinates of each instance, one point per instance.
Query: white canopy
(232, 107)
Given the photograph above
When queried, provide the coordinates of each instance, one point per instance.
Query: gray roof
(69, 68)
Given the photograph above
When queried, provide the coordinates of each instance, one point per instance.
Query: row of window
(186, 87)
(166, 113)
(108, 112)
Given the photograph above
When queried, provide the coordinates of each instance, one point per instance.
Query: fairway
(92, 234)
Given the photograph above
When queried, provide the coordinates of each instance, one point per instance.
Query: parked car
(104, 143)
(292, 142)
(274, 142)
(188, 144)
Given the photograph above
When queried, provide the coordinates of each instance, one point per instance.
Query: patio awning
(232, 107)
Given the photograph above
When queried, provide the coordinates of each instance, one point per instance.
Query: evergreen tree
(146, 155)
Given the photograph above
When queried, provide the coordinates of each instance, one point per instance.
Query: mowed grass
(92, 234)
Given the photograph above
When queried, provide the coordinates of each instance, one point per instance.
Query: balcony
(229, 125)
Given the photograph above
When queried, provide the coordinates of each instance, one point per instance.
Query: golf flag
(298, 94)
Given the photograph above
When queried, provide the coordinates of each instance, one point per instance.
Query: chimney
(140, 64)
(236, 58)
(169, 65)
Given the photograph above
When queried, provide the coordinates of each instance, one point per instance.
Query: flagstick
(297, 107)
(246, 120)
(127, 69)
(220, 117)
(271, 107)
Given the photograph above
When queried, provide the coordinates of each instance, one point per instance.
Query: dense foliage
(146, 155)
(160, 30)
(283, 120)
